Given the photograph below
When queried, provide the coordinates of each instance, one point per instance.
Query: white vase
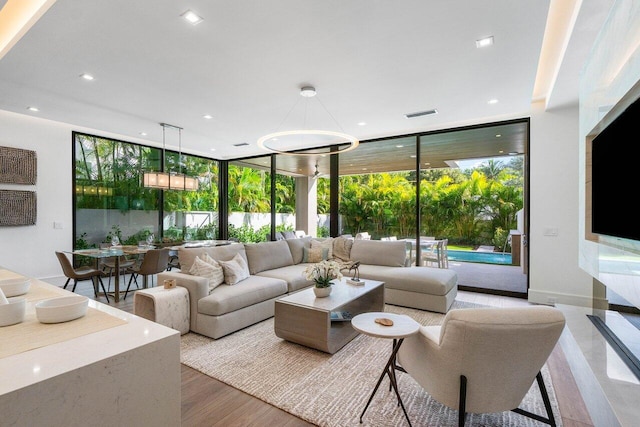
(322, 292)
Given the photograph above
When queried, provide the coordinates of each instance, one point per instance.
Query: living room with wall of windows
(89, 188)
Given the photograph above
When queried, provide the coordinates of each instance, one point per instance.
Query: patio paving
(505, 278)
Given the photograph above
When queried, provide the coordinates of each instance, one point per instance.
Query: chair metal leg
(66, 283)
(103, 290)
(462, 404)
(75, 283)
(133, 277)
(547, 405)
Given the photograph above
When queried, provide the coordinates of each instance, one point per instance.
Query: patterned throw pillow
(314, 254)
(209, 269)
(235, 270)
(326, 243)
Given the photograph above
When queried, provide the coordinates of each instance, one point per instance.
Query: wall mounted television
(615, 176)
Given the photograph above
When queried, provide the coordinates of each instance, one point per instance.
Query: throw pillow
(326, 243)
(314, 254)
(235, 270)
(209, 269)
(342, 248)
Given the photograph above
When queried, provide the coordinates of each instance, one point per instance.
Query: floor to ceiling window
(111, 201)
(377, 189)
(249, 200)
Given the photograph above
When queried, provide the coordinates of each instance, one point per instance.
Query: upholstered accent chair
(484, 360)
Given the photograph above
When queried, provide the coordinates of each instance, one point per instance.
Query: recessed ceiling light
(34, 109)
(413, 156)
(87, 76)
(492, 101)
(427, 163)
(362, 123)
(212, 149)
(191, 17)
(487, 41)
(208, 116)
(399, 146)
(498, 135)
(513, 153)
(143, 133)
(500, 151)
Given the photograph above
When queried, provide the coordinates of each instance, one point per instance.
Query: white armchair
(484, 360)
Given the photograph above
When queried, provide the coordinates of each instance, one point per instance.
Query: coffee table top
(402, 327)
(341, 294)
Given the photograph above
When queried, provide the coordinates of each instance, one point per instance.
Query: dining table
(117, 251)
(113, 252)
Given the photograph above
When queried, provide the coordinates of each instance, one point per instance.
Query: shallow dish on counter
(15, 287)
(62, 309)
(13, 312)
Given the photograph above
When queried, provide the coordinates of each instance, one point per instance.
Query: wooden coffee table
(304, 319)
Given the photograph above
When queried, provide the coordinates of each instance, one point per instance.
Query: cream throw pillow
(210, 269)
(342, 248)
(324, 244)
(235, 270)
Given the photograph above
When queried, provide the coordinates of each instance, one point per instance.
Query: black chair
(155, 261)
(80, 274)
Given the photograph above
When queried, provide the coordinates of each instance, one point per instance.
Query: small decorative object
(322, 274)
(170, 283)
(355, 280)
(384, 321)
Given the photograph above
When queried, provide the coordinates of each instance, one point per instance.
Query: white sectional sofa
(276, 269)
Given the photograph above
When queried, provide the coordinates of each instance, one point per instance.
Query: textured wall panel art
(17, 207)
(18, 166)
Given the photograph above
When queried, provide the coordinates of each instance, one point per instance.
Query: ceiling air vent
(241, 144)
(421, 113)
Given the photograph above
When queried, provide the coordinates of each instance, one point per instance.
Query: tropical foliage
(473, 207)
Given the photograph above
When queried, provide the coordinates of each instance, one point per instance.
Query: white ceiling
(370, 60)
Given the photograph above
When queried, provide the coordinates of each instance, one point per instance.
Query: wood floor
(208, 402)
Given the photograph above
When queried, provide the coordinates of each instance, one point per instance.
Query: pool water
(482, 257)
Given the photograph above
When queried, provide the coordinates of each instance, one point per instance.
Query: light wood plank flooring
(209, 402)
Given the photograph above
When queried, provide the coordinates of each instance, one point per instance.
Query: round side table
(403, 326)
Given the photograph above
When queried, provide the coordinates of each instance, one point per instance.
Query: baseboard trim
(492, 292)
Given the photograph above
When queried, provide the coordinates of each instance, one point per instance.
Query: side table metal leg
(389, 370)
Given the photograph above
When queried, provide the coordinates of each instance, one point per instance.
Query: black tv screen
(615, 177)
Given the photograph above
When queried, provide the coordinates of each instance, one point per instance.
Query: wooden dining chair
(80, 274)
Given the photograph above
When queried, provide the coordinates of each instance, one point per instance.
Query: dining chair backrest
(155, 261)
(67, 268)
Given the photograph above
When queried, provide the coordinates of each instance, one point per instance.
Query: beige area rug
(332, 390)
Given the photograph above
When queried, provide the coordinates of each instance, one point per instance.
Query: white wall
(612, 71)
(31, 249)
(554, 273)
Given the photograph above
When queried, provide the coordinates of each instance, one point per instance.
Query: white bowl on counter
(62, 309)
(15, 287)
(13, 312)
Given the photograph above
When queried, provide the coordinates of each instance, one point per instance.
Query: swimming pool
(482, 257)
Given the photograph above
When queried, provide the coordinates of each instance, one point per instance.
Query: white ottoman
(169, 307)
